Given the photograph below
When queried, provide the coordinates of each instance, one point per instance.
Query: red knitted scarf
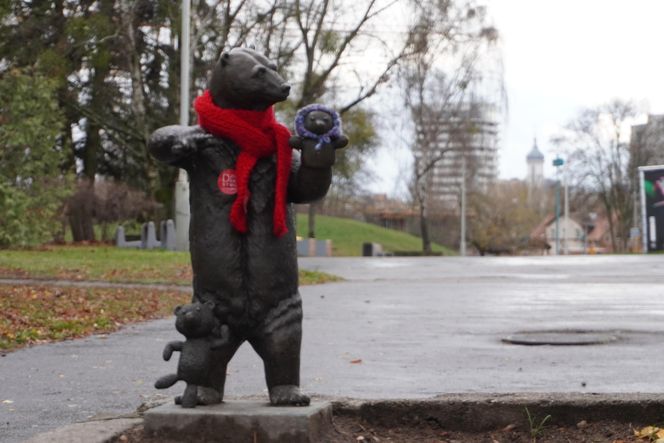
(258, 135)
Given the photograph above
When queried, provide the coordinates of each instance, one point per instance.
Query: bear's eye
(260, 71)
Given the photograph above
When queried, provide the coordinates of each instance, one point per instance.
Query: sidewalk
(396, 328)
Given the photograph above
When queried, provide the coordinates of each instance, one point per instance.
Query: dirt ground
(352, 429)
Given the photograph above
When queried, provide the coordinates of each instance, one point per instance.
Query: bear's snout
(190, 318)
(285, 88)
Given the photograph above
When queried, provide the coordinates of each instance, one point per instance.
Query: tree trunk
(311, 219)
(612, 231)
(81, 213)
(424, 230)
(138, 105)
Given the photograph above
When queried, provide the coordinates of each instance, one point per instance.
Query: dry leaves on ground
(35, 314)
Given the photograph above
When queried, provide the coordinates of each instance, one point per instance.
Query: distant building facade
(571, 235)
(646, 143)
(471, 135)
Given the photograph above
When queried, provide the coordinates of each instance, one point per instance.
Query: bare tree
(502, 221)
(314, 42)
(330, 34)
(440, 92)
(599, 158)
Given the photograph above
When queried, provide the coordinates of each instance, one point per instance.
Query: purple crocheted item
(333, 133)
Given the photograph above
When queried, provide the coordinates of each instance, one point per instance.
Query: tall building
(471, 135)
(647, 143)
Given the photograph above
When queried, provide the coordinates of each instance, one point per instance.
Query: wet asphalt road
(396, 328)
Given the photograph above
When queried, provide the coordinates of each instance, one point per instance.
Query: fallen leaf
(8, 402)
(647, 432)
(509, 428)
(582, 424)
(355, 362)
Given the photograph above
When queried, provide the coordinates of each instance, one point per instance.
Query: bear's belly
(243, 274)
(194, 363)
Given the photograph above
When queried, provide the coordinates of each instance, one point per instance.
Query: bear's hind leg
(188, 399)
(278, 344)
(208, 395)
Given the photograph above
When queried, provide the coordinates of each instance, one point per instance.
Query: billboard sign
(652, 207)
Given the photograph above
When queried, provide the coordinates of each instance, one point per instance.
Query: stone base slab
(242, 422)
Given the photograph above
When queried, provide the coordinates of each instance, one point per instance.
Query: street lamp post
(182, 186)
(462, 244)
(566, 235)
(557, 163)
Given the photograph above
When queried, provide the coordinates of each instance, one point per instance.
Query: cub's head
(195, 319)
(318, 122)
(246, 79)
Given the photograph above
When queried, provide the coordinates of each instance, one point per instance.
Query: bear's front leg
(173, 144)
(170, 348)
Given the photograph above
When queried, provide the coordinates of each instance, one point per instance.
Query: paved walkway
(396, 328)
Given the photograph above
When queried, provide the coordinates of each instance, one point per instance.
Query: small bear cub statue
(319, 134)
(197, 322)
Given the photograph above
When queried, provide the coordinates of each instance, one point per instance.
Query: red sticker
(227, 182)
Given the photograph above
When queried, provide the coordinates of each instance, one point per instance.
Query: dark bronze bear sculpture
(243, 178)
(196, 321)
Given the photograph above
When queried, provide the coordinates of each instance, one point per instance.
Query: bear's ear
(225, 57)
(177, 310)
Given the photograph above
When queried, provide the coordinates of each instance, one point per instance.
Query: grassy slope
(348, 235)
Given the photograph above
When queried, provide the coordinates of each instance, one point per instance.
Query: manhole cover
(561, 338)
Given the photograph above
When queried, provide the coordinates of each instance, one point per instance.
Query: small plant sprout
(536, 428)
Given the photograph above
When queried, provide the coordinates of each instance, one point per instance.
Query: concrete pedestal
(241, 421)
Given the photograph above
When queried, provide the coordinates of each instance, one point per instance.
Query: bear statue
(318, 128)
(243, 178)
(197, 322)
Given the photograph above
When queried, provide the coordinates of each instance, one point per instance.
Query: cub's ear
(209, 304)
(177, 310)
(225, 58)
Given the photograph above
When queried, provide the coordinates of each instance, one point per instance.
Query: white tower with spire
(535, 179)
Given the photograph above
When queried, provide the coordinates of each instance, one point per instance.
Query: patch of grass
(38, 314)
(107, 263)
(316, 278)
(536, 427)
(348, 235)
(97, 263)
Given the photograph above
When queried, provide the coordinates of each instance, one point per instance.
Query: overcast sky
(560, 56)
(563, 55)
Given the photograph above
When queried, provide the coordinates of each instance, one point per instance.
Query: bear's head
(246, 79)
(195, 320)
(318, 122)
